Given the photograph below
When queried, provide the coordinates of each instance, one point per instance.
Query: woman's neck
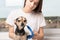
(27, 10)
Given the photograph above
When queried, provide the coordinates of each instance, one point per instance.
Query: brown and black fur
(20, 23)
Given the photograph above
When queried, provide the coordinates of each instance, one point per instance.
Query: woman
(32, 12)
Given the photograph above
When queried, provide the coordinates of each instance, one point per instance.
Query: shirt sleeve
(10, 18)
(41, 20)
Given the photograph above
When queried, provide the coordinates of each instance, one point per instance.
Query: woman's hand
(39, 35)
(35, 35)
(29, 3)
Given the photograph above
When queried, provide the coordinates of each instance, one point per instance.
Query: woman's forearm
(11, 31)
(11, 35)
(40, 37)
(41, 33)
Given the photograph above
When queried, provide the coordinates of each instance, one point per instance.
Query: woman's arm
(11, 32)
(39, 35)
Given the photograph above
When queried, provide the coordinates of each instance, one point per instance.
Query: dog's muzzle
(22, 24)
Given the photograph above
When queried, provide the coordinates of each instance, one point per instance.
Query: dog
(20, 33)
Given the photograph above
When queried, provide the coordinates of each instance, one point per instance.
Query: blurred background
(50, 10)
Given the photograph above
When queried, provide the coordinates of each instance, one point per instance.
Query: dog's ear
(17, 19)
(15, 22)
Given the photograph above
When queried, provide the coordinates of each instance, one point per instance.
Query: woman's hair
(38, 8)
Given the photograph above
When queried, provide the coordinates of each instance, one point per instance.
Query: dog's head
(20, 22)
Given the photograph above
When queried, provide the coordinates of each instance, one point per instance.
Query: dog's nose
(22, 24)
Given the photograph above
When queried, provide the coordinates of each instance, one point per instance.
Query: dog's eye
(18, 20)
(24, 20)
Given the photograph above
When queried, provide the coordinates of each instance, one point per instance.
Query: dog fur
(20, 23)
